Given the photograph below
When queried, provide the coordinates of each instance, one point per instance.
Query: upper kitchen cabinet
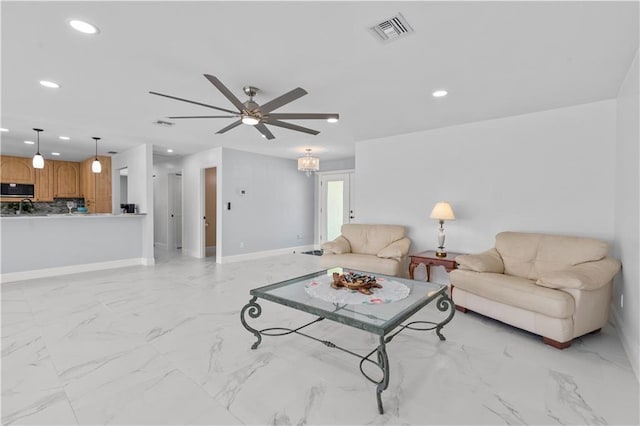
(16, 170)
(66, 179)
(44, 182)
(95, 188)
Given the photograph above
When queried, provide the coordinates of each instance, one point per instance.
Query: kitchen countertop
(68, 216)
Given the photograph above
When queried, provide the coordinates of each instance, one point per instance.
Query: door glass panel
(335, 208)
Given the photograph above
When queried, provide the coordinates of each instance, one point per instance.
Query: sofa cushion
(515, 291)
(338, 246)
(528, 255)
(370, 239)
(488, 261)
(363, 262)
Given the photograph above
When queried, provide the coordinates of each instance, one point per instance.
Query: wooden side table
(429, 259)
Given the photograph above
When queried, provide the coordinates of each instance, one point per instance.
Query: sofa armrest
(487, 261)
(584, 276)
(338, 246)
(396, 250)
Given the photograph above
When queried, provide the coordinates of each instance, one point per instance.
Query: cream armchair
(380, 249)
(554, 286)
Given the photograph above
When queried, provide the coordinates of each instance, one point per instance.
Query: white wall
(341, 164)
(627, 209)
(139, 163)
(276, 208)
(276, 212)
(551, 171)
(193, 199)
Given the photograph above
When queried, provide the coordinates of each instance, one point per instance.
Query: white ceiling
(495, 58)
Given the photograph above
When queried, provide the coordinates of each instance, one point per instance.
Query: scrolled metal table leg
(443, 304)
(383, 362)
(254, 310)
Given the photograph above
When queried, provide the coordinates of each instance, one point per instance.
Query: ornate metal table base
(444, 303)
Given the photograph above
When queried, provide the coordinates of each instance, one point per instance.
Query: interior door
(335, 204)
(175, 211)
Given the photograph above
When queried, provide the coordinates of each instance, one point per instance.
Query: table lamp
(442, 211)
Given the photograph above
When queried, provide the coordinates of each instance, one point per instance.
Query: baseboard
(631, 348)
(73, 269)
(161, 245)
(262, 254)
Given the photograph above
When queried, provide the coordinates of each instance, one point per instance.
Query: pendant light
(96, 167)
(308, 164)
(38, 159)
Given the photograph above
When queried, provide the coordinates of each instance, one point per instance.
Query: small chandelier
(308, 164)
(96, 167)
(38, 159)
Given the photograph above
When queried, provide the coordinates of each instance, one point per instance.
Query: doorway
(210, 197)
(336, 204)
(174, 236)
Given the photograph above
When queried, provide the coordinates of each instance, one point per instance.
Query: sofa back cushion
(370, 239)
(528, 255)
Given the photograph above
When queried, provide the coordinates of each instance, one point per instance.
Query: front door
(335, 204)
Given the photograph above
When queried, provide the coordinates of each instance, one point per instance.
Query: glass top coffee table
(378, 316)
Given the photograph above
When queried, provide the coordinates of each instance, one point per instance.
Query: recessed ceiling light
(2, 129)
(50, 84)
(29, 142)
(83, 27)
(332, 120)
(439, 93)
(64, 138)
(169, 150)
(55, 153)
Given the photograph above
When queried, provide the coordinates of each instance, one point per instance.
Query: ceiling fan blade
(291, 96)
(226, 92)
(193, 102)
(302, 116)
(291, 126)
(229, 127)
(263, 129)
(206, 116)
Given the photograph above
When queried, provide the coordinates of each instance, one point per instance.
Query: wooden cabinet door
(44, 182)
(87, 184)
(16, 170)
(66, 179)
(95, 188)
(103, 187)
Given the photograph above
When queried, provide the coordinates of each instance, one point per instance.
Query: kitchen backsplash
(51, 207)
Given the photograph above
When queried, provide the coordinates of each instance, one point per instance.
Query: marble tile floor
(164, 345)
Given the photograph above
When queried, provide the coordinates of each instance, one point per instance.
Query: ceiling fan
(252, 114)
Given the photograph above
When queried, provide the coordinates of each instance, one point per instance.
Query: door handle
(352, 217)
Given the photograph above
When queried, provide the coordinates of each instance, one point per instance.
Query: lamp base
(441, 253)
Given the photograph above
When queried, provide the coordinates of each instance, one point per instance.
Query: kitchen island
(34, 246)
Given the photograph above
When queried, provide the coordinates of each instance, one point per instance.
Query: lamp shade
(442, 211)
(96, 167)
(308, 163)
(38, 161)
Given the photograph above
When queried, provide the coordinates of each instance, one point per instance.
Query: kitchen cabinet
(44, 182)
(96, 187)
(66, 179)
(16, 170)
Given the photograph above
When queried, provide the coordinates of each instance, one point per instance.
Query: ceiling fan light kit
(253, 114)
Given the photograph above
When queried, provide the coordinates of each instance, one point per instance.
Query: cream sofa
(380, 249)
(554, 286)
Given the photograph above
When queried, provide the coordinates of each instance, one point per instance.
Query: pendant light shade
(38, 159)
(96, 167)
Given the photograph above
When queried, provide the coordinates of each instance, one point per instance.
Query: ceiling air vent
(392, 28)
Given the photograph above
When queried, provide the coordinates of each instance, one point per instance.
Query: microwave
(17, 190)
